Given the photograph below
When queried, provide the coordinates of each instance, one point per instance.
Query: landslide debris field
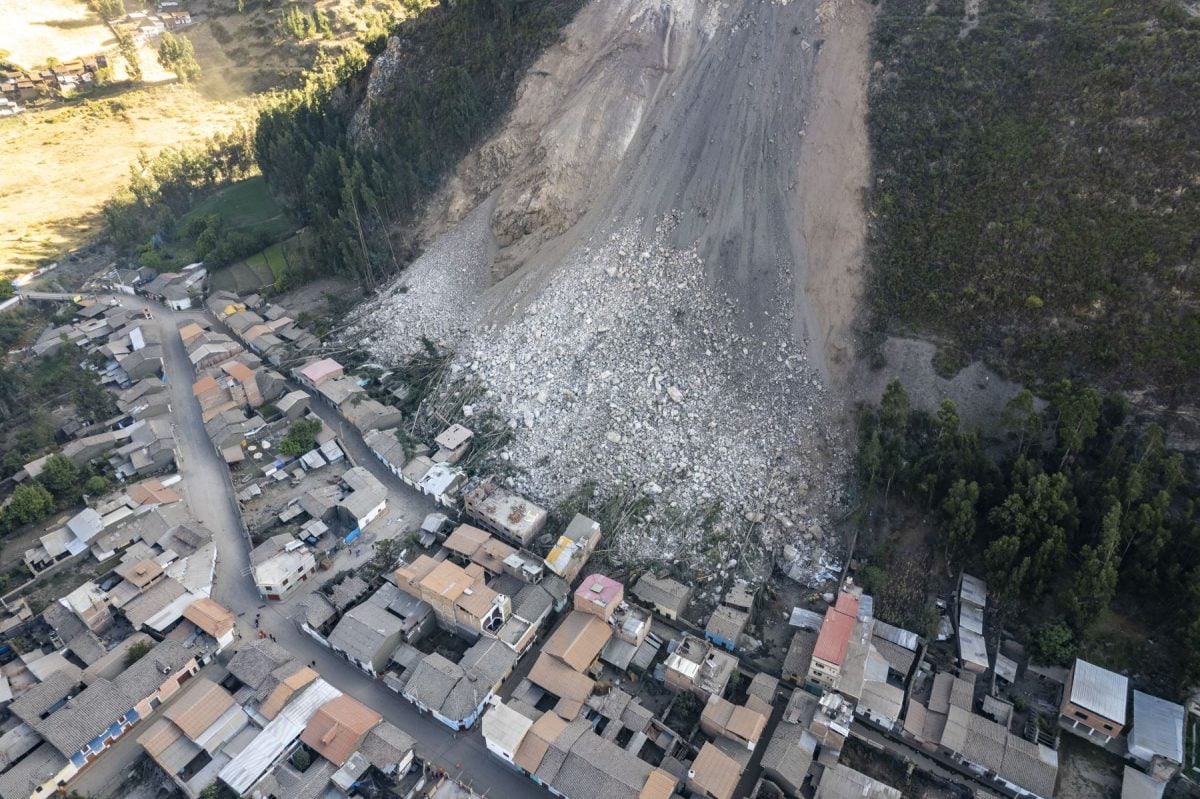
(626, 267)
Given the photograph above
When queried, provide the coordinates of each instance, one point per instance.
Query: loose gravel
(630, 370)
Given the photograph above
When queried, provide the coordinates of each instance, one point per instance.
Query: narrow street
(213, 503)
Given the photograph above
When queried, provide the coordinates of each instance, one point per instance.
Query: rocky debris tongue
(630, 370)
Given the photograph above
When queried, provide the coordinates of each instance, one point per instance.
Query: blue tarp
(353, 534)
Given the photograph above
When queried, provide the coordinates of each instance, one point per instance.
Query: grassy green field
(247, 206)
(271, 268)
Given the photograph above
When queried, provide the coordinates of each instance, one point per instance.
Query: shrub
(1054, 643)
(301, 437)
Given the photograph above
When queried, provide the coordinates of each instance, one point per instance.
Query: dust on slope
(710, 111)
(655, 170)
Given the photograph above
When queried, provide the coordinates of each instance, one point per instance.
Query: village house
(829, 654)
(338, 728)
(189, 737)
(365, 500)
(799, 657)
(699, 667)
(452, 443)
(527, 567)
(81, 725)
(213, 619)
(714, 774)
(316, 373)
(387, 448)
(1094, 701)
(666, 596)
(369, 633)
(570, 652)
(599, 596)
(507, 514)
(631, 649)
(725, 626)
(294, 404)
(460, 597)
(211, 348)
(256, 759)
(574, 547)
(972, 605)
(279, 565)
(792, 746)
(842, 782)
(369, 414)
(457, 693)
(738, 723)
(1156, 737)
(223, 304)
(469, 544)
(569, 758)
(947, 723)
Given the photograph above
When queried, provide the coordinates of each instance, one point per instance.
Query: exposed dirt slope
(709, 111)
(657, 166)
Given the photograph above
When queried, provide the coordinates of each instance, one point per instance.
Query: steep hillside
(637, 277)
(1036, 198)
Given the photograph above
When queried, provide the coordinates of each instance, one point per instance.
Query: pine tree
(959, 511)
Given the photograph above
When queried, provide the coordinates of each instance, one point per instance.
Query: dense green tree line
(1034, 197)
(457, 70)
(163, 187)
(28, 389)
(1080, 506)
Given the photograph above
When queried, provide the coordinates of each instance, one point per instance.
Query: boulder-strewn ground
(634, 271)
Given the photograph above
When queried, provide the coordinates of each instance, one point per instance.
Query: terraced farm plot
(266, 269)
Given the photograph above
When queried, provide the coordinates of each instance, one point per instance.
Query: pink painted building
(318, 372)
(599, 596)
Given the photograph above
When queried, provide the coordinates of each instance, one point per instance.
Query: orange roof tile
(447, 580)
(578, 640)
(465, 540)
(834, 637)
(745, 723)
(204, 385)
(189, 332)
(209, 616)
(150, 492)
(338, 727)
(160, 735)
(715, 772)
(847, 603)
(239, 371)
(285, 691)
(199, 706)
(409, 576)
(479, 601)
(560, 679)
(533, 748)
(659, 785)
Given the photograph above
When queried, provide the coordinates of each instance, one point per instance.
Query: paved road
(213, 503)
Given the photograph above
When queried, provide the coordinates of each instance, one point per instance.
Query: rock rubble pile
(631, 371)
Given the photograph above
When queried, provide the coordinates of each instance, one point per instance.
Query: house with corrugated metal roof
(1094, 701)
